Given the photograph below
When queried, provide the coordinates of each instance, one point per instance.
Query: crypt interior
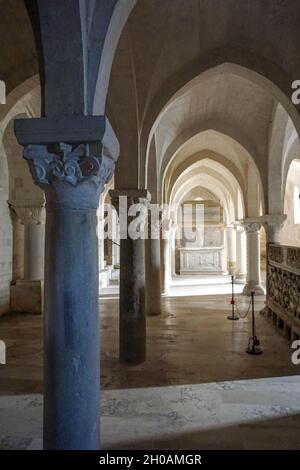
(181, 104)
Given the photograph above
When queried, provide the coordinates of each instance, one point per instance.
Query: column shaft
(132, 207)
(241, 257)
(231, 249)
(71, 334)
(73, 178)
(153, 283)
(165, 274)
(132, 301)
(34, 241)
(253, 282)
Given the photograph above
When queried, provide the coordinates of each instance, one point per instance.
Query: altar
(202, 260)
(202, 248)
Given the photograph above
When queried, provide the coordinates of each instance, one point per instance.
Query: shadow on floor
(272, 434)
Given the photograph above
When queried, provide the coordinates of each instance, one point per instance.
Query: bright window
(296, 205)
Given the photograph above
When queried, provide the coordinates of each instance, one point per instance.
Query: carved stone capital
(28, 213)
(68, 164)
(239, 228)
(251, 226)
(273, 225)
(71, 176)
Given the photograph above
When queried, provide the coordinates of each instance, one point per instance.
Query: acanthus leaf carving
(68, 164)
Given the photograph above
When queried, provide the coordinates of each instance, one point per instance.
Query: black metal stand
(232, 316)
(253, 345)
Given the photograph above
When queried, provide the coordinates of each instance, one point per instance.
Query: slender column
(253, 283)
(18, 244)
(153, 283)
(173, 251)
(231, 249)
(116, 252)
(241, 258)
(101, 244)
(72, 178)
(132, 329)
(103, 271)
(165, 254)
(224, 253)
(32, 217)
(26, 294)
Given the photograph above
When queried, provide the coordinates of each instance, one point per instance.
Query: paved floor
(190, 343)
(195, 355)
(250, 414)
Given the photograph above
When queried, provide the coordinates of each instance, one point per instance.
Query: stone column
(231, 249)
(132, 329)
(101, 243)
(224, 262)
(241, 255)
(116, 252)
(165, 265)
(253, 283)
(153, 282)
(73, 178)
(33, 220)
(26, 294)
(173, 251)
(32, 217)
(18, 244)
(103, 271)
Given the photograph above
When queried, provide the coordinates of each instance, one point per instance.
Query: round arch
(256, 69)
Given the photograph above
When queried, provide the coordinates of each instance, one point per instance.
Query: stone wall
(283, 289)
(5, 241)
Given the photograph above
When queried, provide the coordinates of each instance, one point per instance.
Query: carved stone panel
(276, 254)
(284, 290)
(293, 258)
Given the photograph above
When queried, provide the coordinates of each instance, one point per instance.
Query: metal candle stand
(233, 316)
(253, 345)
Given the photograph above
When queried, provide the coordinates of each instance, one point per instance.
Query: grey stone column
(73, 178)
(253, 281)
(153, 262)
(132, 322)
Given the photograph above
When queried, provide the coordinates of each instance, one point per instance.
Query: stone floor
(198, 387)
(184, 285)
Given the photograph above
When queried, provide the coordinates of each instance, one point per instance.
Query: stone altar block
(201, 260)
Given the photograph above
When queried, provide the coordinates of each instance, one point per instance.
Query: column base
(251, 287)
(104, 278)
(26, 297)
